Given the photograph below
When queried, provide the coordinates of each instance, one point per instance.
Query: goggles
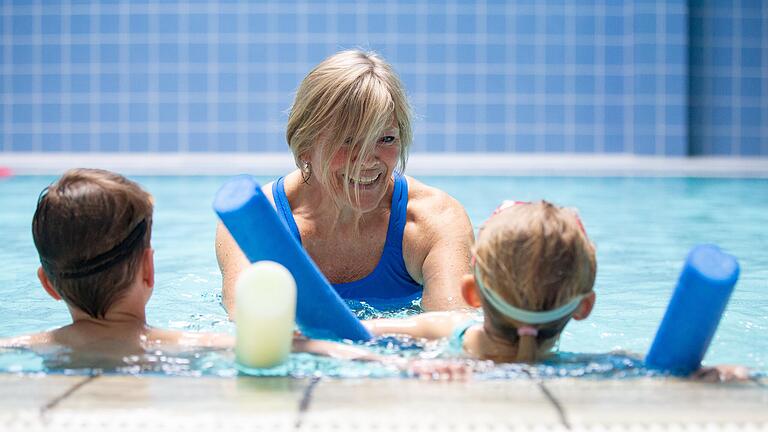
(522, 315)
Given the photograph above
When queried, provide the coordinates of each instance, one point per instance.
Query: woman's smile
(364, 181)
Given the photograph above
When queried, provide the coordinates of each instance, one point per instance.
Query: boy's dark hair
(90, 229)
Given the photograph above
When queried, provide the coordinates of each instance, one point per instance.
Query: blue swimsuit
(456, 340)
(389, 285)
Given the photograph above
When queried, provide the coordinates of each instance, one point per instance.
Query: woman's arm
(436, 246)
(428, 325)
(333, 349)
(432, 369)
(232, 261)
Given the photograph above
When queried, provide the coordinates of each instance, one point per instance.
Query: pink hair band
(527, 331)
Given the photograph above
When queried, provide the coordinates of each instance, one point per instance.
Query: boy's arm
(26, 341)
(428, 325)
(165, 337)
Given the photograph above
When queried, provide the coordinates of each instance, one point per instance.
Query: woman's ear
(585, 307)
(46, 283)
(469, 291)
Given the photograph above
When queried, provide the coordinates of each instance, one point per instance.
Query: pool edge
(455, 164)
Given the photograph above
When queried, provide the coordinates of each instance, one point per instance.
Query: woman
(378, 236)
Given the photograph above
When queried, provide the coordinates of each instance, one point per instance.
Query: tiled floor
(109, 403)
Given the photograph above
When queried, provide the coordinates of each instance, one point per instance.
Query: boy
(92, 230)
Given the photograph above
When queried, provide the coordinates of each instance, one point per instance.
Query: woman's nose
(367, 161)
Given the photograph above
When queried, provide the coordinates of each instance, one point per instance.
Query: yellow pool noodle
(265, 314)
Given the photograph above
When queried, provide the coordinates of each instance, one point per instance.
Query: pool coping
(113, 402)
(454, 164)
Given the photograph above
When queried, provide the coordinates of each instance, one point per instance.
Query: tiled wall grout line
(306, 401)
(51, 404)
(762, 383)
(561, 412)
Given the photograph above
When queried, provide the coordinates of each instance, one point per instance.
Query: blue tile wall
(667, 78)
(729, 78)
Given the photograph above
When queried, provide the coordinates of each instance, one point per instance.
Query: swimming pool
(643, 228)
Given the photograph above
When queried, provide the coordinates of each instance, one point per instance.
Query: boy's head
(534, 270)
(91, 229)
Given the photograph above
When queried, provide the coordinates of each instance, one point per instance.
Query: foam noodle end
(265, 315)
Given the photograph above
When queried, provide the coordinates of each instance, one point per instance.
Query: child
(533, 270)
(92, 230)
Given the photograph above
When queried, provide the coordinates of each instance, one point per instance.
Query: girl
(533, 270)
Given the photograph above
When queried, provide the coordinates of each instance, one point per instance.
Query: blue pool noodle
(262, 235)
(698, 302)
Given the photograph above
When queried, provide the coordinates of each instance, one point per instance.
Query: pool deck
(454, 164)
(109, 403)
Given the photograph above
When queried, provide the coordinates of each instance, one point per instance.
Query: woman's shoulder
(430, 204)
(290, 184)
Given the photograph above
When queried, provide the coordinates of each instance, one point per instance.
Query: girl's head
(350, 127)
(534, 270)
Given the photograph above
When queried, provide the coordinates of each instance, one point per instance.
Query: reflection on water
(221, 363)
(148, 359)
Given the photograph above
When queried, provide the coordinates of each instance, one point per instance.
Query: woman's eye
(389, 139)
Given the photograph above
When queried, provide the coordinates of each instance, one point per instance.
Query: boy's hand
(721, 374)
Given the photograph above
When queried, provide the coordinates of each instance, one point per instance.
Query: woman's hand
(438, 370)
(721, 374)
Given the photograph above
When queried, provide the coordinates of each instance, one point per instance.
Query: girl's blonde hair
(347, 101)
(537, 257)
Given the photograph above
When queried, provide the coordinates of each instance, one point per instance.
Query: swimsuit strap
(284, 207)
(398, 214)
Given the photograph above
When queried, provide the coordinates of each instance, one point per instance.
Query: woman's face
(370, 187)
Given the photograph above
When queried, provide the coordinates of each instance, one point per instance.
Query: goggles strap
(522, 315)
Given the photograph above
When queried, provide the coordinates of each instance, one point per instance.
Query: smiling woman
(376, 234)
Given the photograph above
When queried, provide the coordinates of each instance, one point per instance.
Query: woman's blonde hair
(349, 98)
(537, 257)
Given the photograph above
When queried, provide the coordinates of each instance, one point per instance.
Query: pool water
(643, 229)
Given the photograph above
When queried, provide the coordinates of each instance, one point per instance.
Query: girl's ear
(469, 291)
(46, 283)
(585, 308)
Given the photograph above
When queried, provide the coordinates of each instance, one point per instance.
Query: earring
(306, 171)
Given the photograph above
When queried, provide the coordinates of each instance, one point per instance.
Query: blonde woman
(376, 234)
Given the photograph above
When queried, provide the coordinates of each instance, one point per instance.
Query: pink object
(527, 331)
(5, 172)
